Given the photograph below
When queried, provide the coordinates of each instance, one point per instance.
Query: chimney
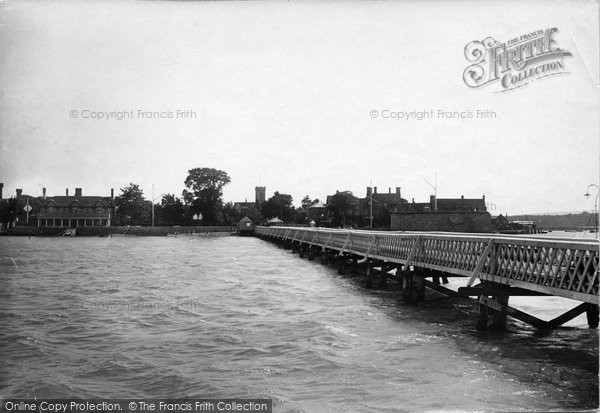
(369, 191)
(389, 190)
(43, 193)
(112, 193)
(77, 191)
(413, 200)
(462, 197)
(1, 186)
(19, 193)
(67, 192)
(398, 192)
(375, 190)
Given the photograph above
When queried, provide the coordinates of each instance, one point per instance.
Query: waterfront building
(378, 205)
(450, 214)
(76, 210)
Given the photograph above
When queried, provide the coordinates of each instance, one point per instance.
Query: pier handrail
(562, 267)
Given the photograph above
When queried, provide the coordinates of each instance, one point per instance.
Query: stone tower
(260, 194)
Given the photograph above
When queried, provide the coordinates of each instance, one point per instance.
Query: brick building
(450, 214)
(76, 210)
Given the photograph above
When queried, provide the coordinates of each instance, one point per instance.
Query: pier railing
(566, 268)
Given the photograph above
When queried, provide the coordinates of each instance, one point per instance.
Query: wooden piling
(482, 316)
(418, 289)
(592, 314)
(341, 265)
(407, 287)
(354, 266)
(369, 275)
(383, 276)
(498, 317)
(324, 257)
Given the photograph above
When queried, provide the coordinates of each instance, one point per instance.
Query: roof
(317, 205)
(245, 219)
(388, 198)
(274, 220)
(83, 201)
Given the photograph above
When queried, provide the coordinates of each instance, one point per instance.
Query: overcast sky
(284, 93)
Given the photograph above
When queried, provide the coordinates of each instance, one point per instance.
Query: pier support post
(494, 317)
(341, 265)
(407, 287)
(324, 257)
(302, 250)
(383, 276)
(354, 266)
(311, 253)
(418, 289)
(592, 315)
(482, 316)
(482, 309)
(498, 318)
(369, 274)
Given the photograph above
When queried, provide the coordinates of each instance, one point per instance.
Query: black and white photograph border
(299, 206)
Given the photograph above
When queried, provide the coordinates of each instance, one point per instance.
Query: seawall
(442, 221)
(120, 230)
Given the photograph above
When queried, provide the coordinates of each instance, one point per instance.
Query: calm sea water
(238, 317)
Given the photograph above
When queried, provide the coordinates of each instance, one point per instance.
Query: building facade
(445, 214)
(76, 210)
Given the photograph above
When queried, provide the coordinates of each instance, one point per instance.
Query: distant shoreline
(117, 231)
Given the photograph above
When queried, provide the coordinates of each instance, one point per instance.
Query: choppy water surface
(238, 317)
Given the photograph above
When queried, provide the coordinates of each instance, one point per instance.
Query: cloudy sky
(284, 95)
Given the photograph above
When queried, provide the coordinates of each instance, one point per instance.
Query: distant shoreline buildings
(381, 210)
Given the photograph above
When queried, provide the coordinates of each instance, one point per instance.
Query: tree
(131, 206)
(170, 211)
(204, 192)
(306, 202)
(341, 206)
(8, 211)
(279, 205)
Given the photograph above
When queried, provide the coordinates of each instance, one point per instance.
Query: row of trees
(201, 203)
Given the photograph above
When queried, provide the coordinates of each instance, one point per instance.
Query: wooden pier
(503, 266)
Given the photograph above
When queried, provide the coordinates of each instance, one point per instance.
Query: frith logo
(516, 62)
